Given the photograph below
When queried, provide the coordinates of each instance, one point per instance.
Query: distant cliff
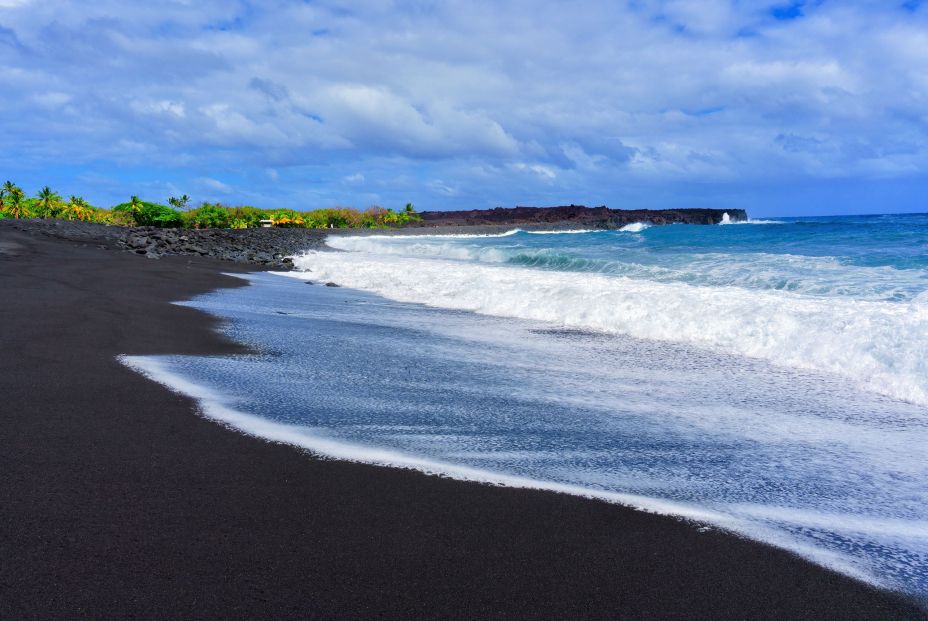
(575, 216)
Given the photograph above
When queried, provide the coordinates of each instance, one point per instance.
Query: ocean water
(770, 378)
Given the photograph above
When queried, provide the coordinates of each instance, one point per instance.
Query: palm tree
(180, 203)
(135, 204)
(76, 209)
(8, 189)
(48, 202)
(16, 208)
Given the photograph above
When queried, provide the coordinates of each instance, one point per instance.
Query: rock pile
(268, 247)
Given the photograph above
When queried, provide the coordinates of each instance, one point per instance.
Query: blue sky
(783, 108)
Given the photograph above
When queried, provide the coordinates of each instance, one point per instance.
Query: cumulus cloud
(466, 103)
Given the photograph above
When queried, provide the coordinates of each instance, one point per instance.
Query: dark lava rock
(271, 247)
(576, 216)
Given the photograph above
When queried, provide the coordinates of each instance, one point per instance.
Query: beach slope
(117, 500)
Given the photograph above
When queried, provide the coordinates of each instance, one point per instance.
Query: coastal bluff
(575, 216)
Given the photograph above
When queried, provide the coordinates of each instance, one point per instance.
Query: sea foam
(747, 519)
(215, 406)
(799, 459)
(809, 275)
(881, 345)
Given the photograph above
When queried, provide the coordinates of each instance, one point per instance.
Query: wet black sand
(118, 501)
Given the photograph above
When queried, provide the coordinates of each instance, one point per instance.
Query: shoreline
(211, 406)
(265, 248)
(122, 501)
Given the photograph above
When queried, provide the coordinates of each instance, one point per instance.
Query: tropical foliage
(179, 202)
(144, 213)
(208, 216)
(13, 201)
(136, 212)
(47, 203)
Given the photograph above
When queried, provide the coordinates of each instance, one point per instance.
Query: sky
(781, 108)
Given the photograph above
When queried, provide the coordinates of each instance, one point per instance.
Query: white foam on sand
(213, 407)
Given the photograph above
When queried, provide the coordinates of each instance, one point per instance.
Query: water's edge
(212, 406)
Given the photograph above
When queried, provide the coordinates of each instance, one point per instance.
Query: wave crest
(881, 345)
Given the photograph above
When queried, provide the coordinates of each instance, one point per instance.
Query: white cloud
(213, 185)
(568, 100)
(545, 172)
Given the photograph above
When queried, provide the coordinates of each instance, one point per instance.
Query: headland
(574, 216)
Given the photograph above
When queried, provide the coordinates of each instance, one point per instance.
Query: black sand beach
(118, 501)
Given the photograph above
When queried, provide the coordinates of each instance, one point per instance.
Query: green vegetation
(180, 202)
(48, 204)
(144, 213)
(135, 212)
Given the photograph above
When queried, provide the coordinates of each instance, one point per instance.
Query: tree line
(177, 213)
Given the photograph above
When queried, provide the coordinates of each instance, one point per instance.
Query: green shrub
(208, 216)
(247, 217)
(161, 216)
(116, 218)
(144, 213)
(337, 218)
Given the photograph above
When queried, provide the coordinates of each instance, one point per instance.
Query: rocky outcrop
(266, 247)
(269, 247)
(576, 216)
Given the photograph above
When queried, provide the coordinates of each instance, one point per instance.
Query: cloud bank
(781, 106)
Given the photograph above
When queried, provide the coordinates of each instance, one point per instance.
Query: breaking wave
(726, 219)
(806, 275)
(881, 345)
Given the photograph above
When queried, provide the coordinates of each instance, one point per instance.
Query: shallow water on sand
(803, 459)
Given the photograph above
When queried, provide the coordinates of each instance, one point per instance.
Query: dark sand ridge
(117, 500)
